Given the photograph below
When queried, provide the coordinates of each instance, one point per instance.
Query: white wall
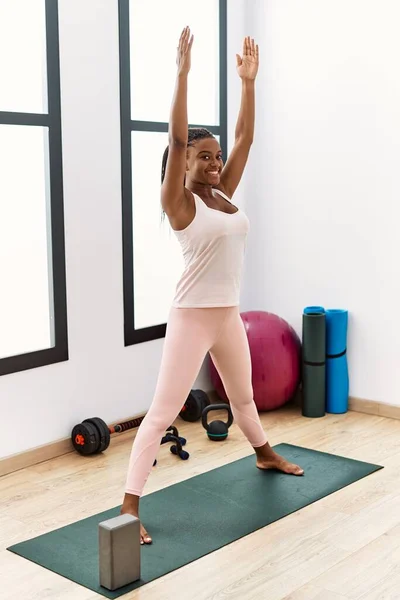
(102, 377)
(322, 189)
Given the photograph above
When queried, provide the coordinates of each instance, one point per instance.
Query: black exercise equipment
(103, 431)
(93, 436)
(195, 403)
(172, 433)
(177, 448)
(89, 437)
(217, 430)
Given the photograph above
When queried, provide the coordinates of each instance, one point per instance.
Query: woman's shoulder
(220, 190)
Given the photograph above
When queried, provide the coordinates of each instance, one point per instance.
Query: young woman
(195, 195)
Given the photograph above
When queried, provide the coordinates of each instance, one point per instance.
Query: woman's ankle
(264, 451)
(130, 504)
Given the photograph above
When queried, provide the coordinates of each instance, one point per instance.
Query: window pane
(155, 28)
(23, 73)
(157, 257)
(26, 305)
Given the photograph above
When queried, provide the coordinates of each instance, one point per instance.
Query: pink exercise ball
(275, 351)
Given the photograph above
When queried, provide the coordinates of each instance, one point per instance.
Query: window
(33, 321)
(149, 33)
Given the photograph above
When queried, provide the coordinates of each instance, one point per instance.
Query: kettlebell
(217, 431)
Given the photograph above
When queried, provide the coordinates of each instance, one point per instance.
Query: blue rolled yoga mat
(337, 374)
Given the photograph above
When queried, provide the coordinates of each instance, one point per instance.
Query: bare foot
(130, 506)
(281, 465)
(144, 536)
(268, 459)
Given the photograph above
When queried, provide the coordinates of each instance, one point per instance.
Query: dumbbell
(93, 436)
(194, 406)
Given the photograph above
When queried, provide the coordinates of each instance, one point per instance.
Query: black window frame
(52, 121)
(132, 335)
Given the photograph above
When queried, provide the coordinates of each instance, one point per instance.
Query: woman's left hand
(247, 65)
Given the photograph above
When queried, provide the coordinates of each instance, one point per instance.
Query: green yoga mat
(313, 362)
(191, 519)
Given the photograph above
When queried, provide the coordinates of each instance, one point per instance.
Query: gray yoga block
(119, 551)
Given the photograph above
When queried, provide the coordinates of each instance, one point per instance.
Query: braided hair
(194, 134)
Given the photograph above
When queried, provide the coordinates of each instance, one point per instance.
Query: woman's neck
(203, 190)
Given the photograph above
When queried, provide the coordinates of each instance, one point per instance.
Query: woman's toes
(147, 539)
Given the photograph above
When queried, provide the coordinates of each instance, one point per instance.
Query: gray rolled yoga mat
(313, 361)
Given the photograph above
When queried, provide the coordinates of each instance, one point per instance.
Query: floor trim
(13, 463)
(371, 407)
(40, 454)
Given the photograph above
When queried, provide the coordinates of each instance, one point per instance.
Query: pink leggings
(191, 334)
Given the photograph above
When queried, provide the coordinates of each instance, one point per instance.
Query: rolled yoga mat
(190, 519)
(313, 361)
(337, 375)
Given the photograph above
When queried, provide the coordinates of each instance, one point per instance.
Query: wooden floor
(346, 546)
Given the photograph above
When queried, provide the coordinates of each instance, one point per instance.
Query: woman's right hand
(184, 52)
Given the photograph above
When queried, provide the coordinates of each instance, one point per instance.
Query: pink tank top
(213, 246)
